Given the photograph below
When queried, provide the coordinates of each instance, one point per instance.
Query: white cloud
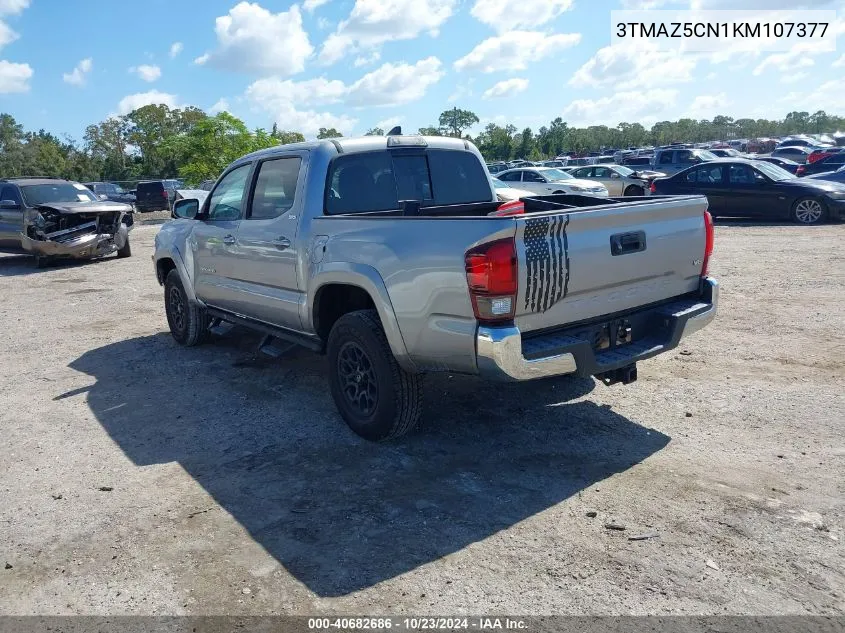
(793, 78)
(310, 5)
(252, 39)
(786, 62)
(508, 15)
(309, 122)
(78, 75)
(366, 60)
(506, 88)
(829, 96)
(222, 105)
(7, 35)
(389, 85)
(389, 123)
(644, 106)
(395, 83)
(146, 72)
(14, 77)
(323, 24)
(708, 106)
(514, 50)
(13, 7)
(627, 67)
(839, 63)
(141, 99)
(175, 49)
(374, 22)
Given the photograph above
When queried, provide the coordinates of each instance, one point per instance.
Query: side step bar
(270, 331)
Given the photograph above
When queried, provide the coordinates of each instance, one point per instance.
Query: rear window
(378, 181)
(149, 187)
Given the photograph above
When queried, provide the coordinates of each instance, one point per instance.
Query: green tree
(328, 133)
(375, 131)
(457, 120)
(431, 131)
(213, 143)
(284, 137)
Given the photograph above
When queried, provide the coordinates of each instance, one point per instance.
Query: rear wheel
(188, 322)
(809, 211)
(634, 191)
(374, 395)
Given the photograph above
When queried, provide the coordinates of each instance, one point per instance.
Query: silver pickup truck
(392, 256)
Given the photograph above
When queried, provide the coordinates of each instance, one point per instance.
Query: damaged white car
(51, 218)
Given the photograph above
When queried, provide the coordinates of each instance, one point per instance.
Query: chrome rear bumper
(501, 351)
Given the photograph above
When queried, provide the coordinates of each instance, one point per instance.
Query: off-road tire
(398, 403)
(188, 323)
(126, 251)
(797, 211)
(633, 190)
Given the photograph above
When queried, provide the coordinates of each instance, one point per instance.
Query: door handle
(229, 239)
(624, 243)
(281, 243)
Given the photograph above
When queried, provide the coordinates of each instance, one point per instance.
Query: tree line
(156, 141)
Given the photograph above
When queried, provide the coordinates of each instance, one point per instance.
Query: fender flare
(176, 257)
(368, 279)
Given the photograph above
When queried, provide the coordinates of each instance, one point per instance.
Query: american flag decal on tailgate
(547, 261)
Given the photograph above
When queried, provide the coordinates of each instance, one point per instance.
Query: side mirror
(9, 204)
(187, 208)
(103, 196)
(614, 175)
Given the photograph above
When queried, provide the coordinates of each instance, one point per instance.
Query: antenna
(397, 131)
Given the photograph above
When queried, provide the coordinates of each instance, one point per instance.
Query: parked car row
(757, 189)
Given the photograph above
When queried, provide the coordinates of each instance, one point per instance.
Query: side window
(602, 172)
(583, 172)
(10, 192)
(514, 176)
(666, 158)
(227, 198)
(685, 157)
(710, 175)
(693, 175)
(740, 175)
(532, 176)
(275, 188)
(360, 183)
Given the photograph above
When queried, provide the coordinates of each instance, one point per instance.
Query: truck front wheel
(374, 395)
(188, 323)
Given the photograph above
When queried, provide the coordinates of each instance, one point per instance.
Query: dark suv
(112, 192)
(155, 195)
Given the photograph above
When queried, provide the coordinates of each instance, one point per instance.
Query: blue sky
(354, 64)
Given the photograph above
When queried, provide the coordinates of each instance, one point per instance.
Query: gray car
(52, 218)
(382, 253)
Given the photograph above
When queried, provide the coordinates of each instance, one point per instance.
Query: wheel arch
(167, 261)
(360, 287)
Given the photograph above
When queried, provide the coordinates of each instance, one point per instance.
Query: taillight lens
(800, 171)
(709, 240)
(491, 277)
(652, 187)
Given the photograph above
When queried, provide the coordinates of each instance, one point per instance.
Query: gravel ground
(139, 477)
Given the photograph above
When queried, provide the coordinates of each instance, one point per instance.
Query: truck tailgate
(577, 264)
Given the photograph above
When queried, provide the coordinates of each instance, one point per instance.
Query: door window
(514, 176)
(583, 172)
(275, 188)
(602, 172)
(741, 175)
(10, 193)
(666, 158)
(226, 200)
(532, 176)
(705, 175)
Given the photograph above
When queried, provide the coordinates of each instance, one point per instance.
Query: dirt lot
(140, 477)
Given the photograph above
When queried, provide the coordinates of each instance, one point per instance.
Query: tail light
(652, 187)
(801, 170)
(709, 241)
(491, 277)
(164, 192)
(514, 207)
